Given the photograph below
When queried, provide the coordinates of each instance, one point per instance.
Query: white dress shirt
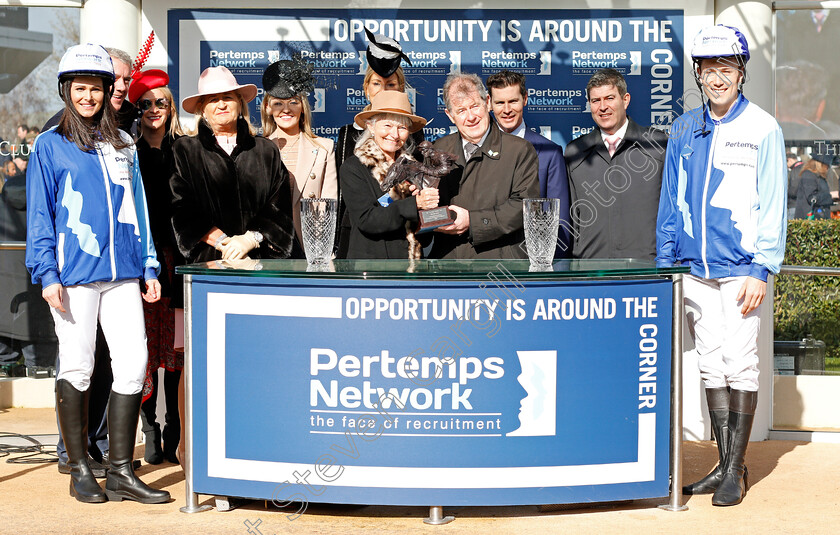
(620, 133)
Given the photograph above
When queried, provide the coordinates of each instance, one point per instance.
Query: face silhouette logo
(545, 63)
(635, 62)
(412, 97)
(454, 62)
(538, 410)
(363, 63)
(320, 99)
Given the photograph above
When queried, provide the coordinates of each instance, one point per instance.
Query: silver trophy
(317, 222)
(542, 219)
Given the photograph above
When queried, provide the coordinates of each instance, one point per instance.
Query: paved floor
(796, 489)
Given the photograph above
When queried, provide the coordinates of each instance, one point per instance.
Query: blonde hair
(369, 74)
(816, 167)
(243, 112)
(174, 125)
(305, 123)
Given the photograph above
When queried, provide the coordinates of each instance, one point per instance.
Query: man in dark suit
(508, 98)
(493, 172)
(615, 174)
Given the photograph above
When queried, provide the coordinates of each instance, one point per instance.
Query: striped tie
(470, 150)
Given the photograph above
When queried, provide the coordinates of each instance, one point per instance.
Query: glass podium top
(432, 269)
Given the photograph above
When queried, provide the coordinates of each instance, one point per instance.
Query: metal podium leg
(191, 497)
(436, 517)
(675, 503)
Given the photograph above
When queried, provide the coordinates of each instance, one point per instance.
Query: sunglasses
(146, 104)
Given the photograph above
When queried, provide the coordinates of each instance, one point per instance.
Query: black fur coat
(248, 190)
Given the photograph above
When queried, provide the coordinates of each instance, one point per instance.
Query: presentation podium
(433, 382)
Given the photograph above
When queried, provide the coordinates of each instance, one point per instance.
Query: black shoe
(171, 439)
(172, 430)
(40, 372)
(122, 483)
(153, 453)
(14, 369)
(72, 406)
(171, 454)
(96, 468)
(734, 485)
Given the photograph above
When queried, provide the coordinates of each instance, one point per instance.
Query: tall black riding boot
(718, 401)
(123, 411)
(734, 484)
(172, 429)
(151, 429)
(72, 406)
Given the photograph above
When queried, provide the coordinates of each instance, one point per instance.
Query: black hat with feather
(288, 78)
(384, 54)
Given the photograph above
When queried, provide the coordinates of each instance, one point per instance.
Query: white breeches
(119, 309)
(726, 340)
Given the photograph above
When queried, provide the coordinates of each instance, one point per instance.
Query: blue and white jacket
(724, 194)
(87, 218)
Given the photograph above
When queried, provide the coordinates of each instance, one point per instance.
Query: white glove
(238, 247)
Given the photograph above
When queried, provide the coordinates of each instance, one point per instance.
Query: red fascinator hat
(145, 81)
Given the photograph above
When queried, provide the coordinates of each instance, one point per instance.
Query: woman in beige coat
(287, 121)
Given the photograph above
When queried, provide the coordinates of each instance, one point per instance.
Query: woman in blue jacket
(88, 244)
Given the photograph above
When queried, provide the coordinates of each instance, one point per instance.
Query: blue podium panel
(431, 393)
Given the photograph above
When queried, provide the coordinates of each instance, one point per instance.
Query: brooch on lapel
(492, 153)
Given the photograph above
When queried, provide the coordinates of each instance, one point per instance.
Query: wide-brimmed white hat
(216, 80)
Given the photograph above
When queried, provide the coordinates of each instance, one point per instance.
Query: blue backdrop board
(557, 50)
(431, 392)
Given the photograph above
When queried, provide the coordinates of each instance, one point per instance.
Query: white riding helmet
(86, 60)
(720, 42)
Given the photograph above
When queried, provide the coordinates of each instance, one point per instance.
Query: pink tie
(612, 143)
(820, 20)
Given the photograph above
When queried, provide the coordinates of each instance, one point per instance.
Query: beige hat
(395, 102)
(216, 80)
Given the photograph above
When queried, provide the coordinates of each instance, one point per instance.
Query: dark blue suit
(554, 185)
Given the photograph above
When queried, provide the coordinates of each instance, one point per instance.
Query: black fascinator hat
(823, 158)
(384, 54)
(289, 77)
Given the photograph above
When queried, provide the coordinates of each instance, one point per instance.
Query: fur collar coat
(376, 231)
(246, 190)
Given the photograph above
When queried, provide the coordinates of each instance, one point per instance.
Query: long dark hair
(102, 127)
